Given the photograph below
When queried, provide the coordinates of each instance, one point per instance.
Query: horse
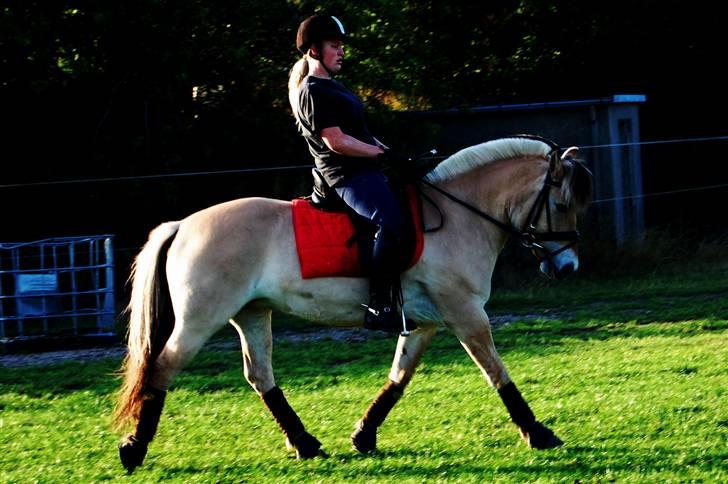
(236, 262)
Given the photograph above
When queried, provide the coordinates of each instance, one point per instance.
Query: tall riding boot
(383, 312)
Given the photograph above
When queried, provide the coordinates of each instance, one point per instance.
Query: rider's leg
(369, 195)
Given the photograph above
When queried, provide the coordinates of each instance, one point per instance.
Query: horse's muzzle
(552, 271)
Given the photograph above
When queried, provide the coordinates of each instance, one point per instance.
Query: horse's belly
(338, 302)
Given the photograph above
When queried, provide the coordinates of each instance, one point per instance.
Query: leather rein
(529, 237)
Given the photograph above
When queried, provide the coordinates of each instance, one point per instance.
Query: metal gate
(59, 287)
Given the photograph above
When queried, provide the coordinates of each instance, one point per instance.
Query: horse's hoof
(364, 440)
(541, 437)
(306, 446)
(132, 453)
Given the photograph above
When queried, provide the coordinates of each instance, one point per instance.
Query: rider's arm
(343, 144)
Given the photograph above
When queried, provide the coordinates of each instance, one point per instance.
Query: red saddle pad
(325, 240)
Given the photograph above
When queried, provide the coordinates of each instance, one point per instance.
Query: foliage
(110, 84)
(99, 89)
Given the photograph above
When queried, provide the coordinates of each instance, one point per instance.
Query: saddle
(333, 241)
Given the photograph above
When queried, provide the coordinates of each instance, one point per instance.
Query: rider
(331, 120)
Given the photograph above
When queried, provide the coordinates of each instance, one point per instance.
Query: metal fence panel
(57, 287)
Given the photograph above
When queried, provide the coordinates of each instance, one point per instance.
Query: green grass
(523, 291)
(634, 380)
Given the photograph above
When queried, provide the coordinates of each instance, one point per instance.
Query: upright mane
(484, 153)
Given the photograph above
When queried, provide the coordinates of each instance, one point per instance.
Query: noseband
(529, 237)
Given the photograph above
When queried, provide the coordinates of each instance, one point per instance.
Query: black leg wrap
(306, 445)
(517, 407)
(134, 447)
(149, 415)
(379, 409)
(537, 435)
(541, 437)
(132, 453)
(283, 414)
(364, 438)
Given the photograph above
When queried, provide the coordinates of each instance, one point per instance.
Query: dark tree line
(141, 87)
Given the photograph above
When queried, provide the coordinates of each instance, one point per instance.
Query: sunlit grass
(633, 400)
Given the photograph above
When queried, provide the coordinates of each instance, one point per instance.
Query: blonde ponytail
(298, 72)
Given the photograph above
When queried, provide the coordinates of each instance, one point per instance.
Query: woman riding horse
(331, 120)
(236, 262)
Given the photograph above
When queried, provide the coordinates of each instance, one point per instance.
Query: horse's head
(549, 227)
(540, 199)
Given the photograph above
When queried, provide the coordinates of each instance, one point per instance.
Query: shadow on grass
(569, 462)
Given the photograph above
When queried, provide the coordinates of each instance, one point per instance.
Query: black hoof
(364, 440)
(541, 437)
(132, 453)
(306, 446)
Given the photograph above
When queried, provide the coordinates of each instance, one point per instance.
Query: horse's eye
(561, 207)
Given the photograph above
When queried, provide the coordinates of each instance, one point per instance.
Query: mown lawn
(636, 385)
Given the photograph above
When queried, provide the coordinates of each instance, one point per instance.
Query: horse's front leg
(254, 328)
(406, 358)
(473, 331)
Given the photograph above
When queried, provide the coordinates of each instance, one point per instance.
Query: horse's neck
(497, 189)
(473, 243)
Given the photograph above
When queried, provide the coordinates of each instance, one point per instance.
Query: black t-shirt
(325, 103)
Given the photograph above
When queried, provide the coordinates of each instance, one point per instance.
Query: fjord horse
(235, 262)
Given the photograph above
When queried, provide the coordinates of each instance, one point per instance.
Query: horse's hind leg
(183, 344)
(473, 330)
(254, 328)
(406, 358)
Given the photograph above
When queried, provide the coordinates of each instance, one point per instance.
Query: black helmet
(316, 29)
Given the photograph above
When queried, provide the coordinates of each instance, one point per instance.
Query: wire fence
(282, 168)
(162, 176)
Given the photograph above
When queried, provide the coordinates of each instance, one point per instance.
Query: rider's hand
(391, 158)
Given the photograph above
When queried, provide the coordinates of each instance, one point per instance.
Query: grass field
(631, 374)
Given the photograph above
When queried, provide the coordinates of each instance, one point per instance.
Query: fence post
(109, 302)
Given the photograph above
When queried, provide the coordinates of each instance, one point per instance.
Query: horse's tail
(151, 320)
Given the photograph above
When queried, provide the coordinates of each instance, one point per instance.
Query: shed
(606, 128)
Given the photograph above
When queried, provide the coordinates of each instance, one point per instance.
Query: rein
(528, 237)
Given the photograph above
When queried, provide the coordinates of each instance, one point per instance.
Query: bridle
(528, 236)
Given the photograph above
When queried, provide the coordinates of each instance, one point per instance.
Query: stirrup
(384, 317)
(407, 325)
(381, 319)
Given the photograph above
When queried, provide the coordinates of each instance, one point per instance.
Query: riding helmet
(317, 28)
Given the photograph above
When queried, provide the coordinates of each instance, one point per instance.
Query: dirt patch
(328, 334)
(55, 357)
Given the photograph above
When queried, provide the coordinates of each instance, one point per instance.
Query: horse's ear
(556, 167)
(570, 153)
